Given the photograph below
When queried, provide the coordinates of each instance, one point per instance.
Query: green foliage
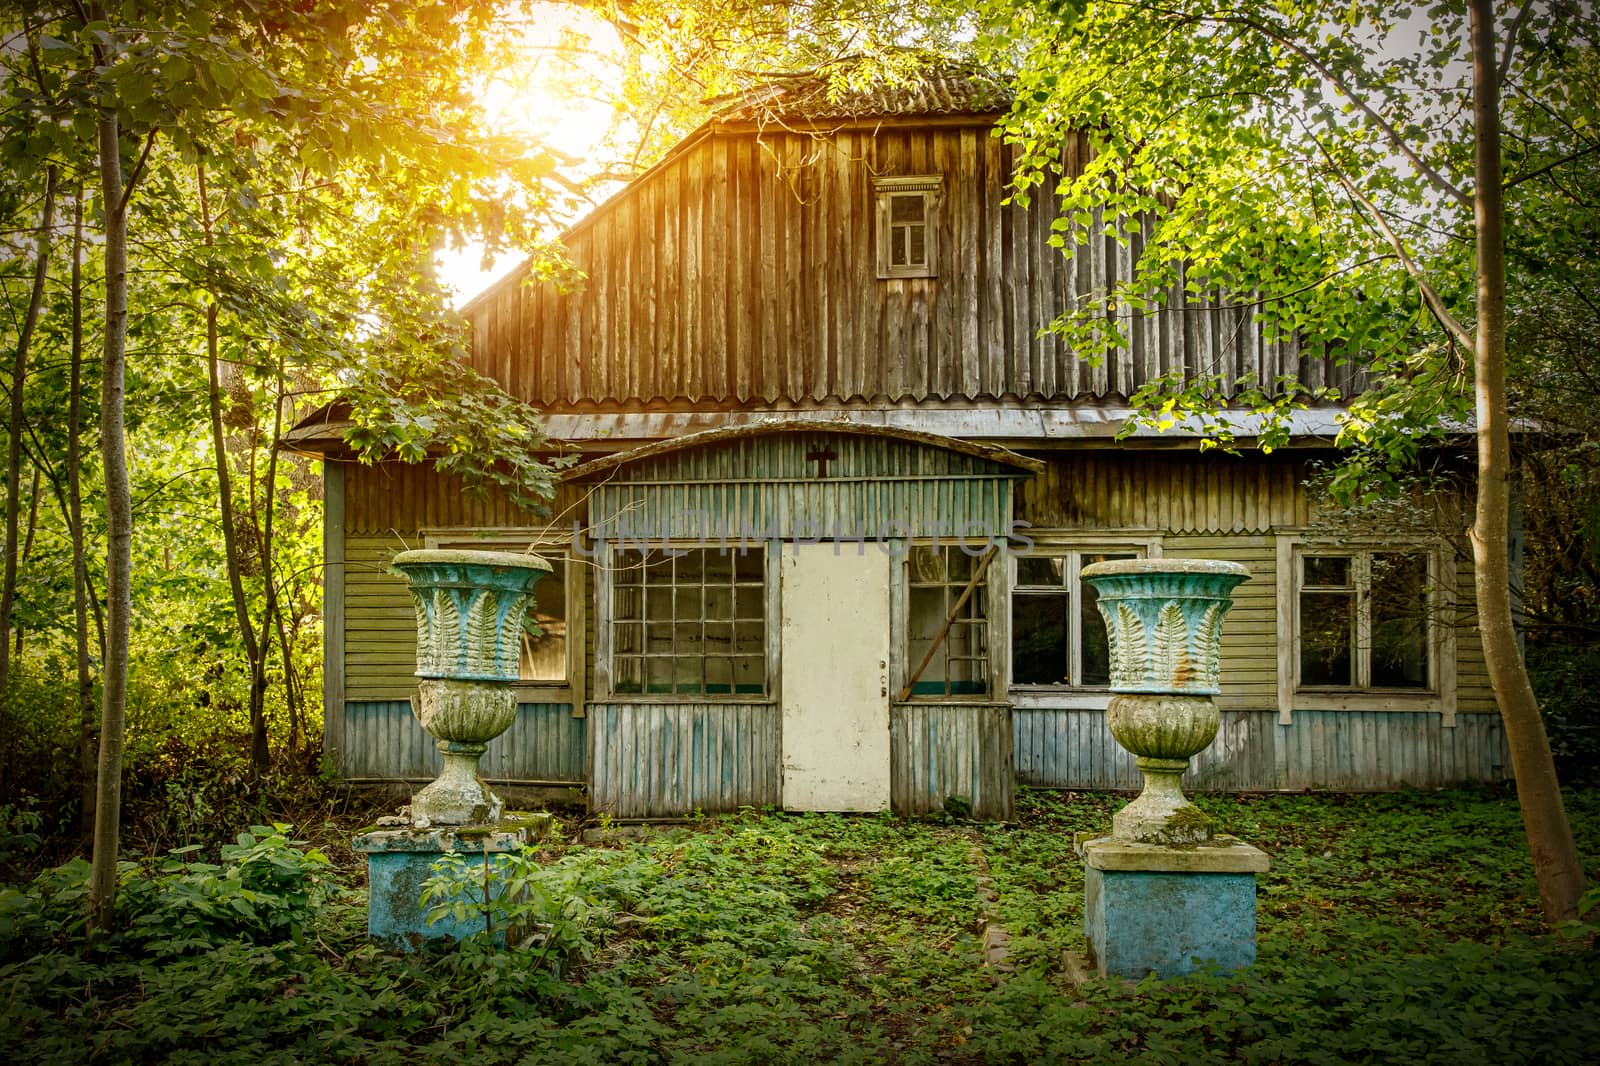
(1567, 681)
(1393, 928)
(265, 890)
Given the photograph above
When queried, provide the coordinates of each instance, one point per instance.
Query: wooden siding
(765, 486)
(743, 271)
(1178, 493)
(666, 760)
(1248, 659)
(383, 741)
(819, 510)
(1347, 751)
(956, 750)
(397, 499)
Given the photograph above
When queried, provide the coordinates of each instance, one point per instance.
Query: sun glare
(558, 93)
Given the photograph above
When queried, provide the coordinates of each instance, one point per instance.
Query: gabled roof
(829, 95)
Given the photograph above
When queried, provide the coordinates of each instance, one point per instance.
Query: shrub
(1567, 681)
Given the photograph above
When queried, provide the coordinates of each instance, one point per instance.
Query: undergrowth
(1397, 928)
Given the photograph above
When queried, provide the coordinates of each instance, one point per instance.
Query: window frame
(549, 542)
(1142, 545)
(884, 190)
(605, 635)
(907, 662)
(1439, 639)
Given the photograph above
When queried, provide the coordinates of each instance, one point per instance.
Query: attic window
(908, 226)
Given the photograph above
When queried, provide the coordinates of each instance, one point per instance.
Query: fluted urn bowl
(1164, 622)
(470, 607)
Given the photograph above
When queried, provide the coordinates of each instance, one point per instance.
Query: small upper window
(908, 226)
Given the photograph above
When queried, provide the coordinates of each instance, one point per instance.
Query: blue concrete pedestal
(399, 860)
(1149, 908)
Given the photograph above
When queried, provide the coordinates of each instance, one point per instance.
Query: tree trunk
(14, 424)
(255, 652)
(1544, 817)
(119, 535)
(87, 736)
(27, 548)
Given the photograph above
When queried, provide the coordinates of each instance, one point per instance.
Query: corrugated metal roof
(829, 95)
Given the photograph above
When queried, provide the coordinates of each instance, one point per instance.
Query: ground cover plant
(1394, 928)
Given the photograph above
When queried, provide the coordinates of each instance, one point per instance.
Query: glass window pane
(688, 674)
(1040, 570)
(719, 603)
(658, 603)
(749, 566)
(1399, 621)
(658, 676)
(927, 565)
(629, 638)
(1327, 630)
(686, 602)
(1039, 639)
(719, 638)
(749, 676)
(718, 568)
(917, 237)
(719, 676)
(748, 638)
(906, 207)
(748, 602)
(628, 564)
(689, 567)
(629, 674)
(1328, 570)
(897, 248)
(658, 638)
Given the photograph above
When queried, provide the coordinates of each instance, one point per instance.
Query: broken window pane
(1039, 639)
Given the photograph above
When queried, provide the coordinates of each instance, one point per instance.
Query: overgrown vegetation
(1393, 928)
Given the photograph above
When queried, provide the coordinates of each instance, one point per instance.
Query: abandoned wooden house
(823, 548)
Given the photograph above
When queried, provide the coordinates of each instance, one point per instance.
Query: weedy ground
(1393, 928)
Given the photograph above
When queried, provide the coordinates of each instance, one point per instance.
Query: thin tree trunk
(27, 548)
(119, 535)
(260, 756)
(265, 531)
(87, 736)
(14, 423)
(1544, 817)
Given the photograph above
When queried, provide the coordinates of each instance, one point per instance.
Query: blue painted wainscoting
(665, 760)
(961, 750)
(383, 741)
(1347, 751)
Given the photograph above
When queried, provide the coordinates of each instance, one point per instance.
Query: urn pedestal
(1163, 889)
(470, 607)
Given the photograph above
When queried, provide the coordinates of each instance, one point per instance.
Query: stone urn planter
(470, 608)
(1164, 619)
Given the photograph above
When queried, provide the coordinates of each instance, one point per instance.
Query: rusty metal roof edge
(768, 426)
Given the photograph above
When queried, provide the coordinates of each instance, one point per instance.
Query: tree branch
(1548, 167)
(138, 169)
(1399, 144)
(1430, 297)
(1509, 49)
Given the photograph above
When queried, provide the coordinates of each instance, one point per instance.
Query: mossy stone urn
(470, 609)
(1164, 620)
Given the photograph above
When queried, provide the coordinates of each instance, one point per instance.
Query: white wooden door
(835, 634)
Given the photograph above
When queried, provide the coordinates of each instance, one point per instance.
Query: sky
(535, 99)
